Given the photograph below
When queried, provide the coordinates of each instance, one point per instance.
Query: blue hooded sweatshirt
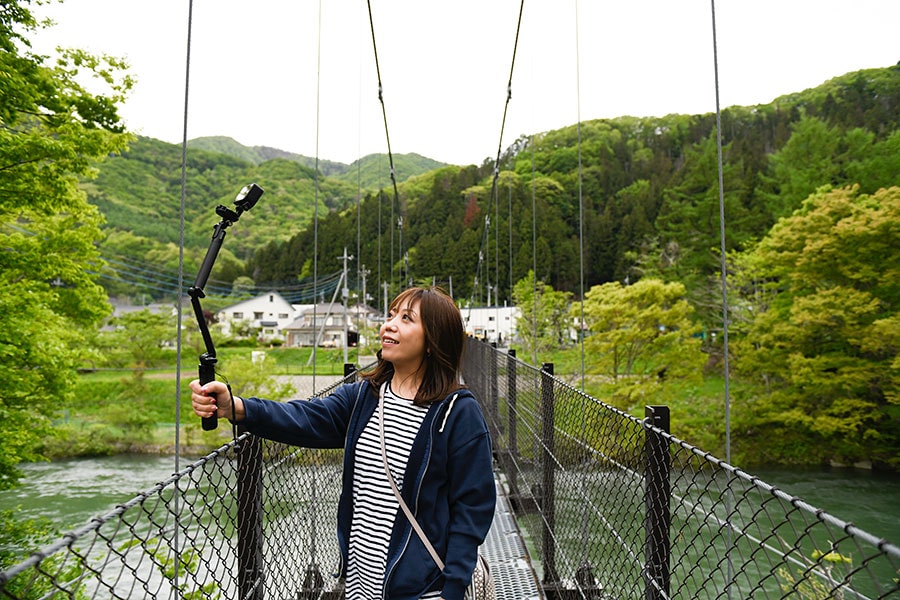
(448, 483)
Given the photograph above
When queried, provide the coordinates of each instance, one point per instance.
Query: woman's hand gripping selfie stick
(244, 201)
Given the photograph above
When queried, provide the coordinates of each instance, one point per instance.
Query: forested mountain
(139, 193)
(371, 172)
(648, 194)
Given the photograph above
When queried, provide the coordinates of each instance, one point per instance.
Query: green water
(871, 501)
(71, 492)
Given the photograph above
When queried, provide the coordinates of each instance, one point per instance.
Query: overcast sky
(286, 74)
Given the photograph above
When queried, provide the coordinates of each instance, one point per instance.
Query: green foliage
(180, 570)
(641, 337)
(139, 340)
(254, 378)
(543, 323)
(53, 131)
(825, 336)
(373, 172)
(18, 539)
(370, 172)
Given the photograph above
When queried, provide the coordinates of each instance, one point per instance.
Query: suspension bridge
(594, 503)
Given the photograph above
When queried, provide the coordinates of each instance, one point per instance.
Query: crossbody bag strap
(387, 471)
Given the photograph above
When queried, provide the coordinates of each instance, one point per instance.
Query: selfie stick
(244, 201)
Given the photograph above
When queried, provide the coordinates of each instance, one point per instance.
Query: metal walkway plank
(511, 568)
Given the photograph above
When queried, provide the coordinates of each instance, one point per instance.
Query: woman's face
(403, 336)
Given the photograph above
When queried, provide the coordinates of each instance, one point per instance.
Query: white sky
(445, 65)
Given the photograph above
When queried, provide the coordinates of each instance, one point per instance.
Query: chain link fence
(615, 507)
(610, 507)
(252, 520)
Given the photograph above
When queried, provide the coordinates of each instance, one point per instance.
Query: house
(327, 322)
(492, 323)
(266, 314)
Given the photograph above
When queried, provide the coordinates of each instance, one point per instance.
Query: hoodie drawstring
(447, 414)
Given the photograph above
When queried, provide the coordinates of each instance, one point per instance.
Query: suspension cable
(724, 263)
(724, 275)
(180, 288)
(396, 197)
(580, 198)
(313, 356)
(485, 240)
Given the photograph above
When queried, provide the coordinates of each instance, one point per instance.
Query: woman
(437, 446)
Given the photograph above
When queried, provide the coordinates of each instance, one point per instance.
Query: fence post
(511, 452)
(349, 369)
(494, 405)
(657, 467)
(548, 487)
(249, 518)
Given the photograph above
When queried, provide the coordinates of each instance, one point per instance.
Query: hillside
(648, 188)
(139, 193)
(372, 172)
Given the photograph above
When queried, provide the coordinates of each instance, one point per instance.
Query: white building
(327, 323)
(267, 313)
(492, 323)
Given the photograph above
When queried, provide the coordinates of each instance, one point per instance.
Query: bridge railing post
(657, 469)
(250, 519)
(548, 475)
(511, 453)
(494, 401)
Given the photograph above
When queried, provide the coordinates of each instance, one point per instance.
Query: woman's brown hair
(444, 343)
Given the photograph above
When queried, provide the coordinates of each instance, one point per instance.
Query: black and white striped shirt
(374, 504)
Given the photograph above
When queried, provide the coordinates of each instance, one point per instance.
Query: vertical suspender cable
(360, 276)
(485, 240)
(724, 276)
(180, 294)
(534, 278)
(724, 262)
(316, 210)
(585, 524)
(396, 197)
(580, 198)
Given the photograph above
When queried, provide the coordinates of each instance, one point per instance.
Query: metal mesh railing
(609, 506)
(616, 507)
(254, 519)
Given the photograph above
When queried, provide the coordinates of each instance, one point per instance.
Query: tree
(641, 335)
(543, 322)
(139, 340)
(52, 130)
(825, 340)
(807, 161)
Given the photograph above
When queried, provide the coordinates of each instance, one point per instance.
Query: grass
(125, 410)
(119, 410)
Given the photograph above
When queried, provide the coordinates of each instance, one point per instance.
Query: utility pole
(365, 303)
(345, 296)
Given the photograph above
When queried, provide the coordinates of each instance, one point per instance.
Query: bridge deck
(511, 567)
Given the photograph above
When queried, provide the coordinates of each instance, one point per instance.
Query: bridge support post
(249, 519)
(494, 405)
(657, 468)
(547, 498)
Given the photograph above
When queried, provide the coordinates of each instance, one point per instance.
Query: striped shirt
(374, 504)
